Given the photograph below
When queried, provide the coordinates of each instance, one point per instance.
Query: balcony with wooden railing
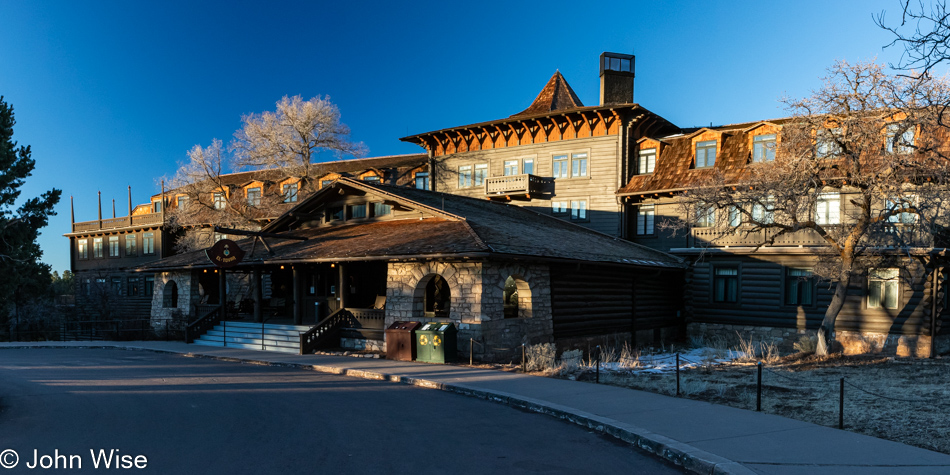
(521, 186)
(150, 219)
(894, 235)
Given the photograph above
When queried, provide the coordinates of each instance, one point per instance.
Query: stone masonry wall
(476, 305)
(187, 295)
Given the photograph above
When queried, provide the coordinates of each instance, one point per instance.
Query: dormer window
(219, 200)
(616, 62)
(900, 138)
(254, 196)
(826, 143)
(371, 179)
(763, 148)
(705, 154)
(290, 192)
(647, 161)
(156, 206)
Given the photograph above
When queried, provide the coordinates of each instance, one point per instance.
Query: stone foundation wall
(847, 342)
(477, 307)
(187, 295)
(362, 344)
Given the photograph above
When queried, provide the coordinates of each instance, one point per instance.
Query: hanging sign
(225, 253)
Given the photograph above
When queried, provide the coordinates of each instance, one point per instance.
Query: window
(183, 202)
(148, 243)
(647, 161)
(764, 213)
(560, 166)
(579, 164)
(617, 63)
(130, 242)
(905, 217)
(465, 176)
(726, 284)
(116, 285)
(382, 209)
(900, 138)
(705, 216)
(511, 167)
(883, 288)
(326, 183)
(763, 148)
(83, 248)
(149, 284)
(578, 210)
(113, 246)
(219, 200)
(290, 192)
(559, 207)
(735, 216)
(827, 143)
(335, 213)
(84, 288)
(156, 206)
(97, 247)
(133, 286)
(254, 196)
(799, 287)
(527, 166)
(705, 154)
(422, 180)
(371, 179)
(356, 211)
(645, 216)
(481, 173)
(828, 208)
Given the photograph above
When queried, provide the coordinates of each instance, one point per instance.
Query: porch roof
(454, 227)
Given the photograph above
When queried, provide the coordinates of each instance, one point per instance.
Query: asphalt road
(188, 415)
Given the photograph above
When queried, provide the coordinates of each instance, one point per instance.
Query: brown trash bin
(401, 341)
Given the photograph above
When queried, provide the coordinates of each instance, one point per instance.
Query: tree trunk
(825, 331)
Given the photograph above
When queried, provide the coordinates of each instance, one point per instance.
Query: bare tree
(276, 145)
(859, 163)
(292, 137)
(923, 32)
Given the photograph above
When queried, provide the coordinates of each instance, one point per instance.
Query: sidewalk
(703, 437)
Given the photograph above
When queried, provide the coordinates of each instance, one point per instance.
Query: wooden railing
(325, 331)
(205, 322)
(516, 184)
(123, 222)
(892, 235)
(367, 323)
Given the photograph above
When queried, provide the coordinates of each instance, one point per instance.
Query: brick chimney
(616, 78)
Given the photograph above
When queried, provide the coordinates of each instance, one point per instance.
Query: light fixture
(332, 265)
(281, 267)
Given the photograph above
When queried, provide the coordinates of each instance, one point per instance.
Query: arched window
(438, 298)
(170, 295)
(516, 298)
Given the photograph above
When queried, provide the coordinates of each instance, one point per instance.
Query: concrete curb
(679, 453)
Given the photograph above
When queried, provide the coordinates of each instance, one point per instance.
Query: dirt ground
(904, 400)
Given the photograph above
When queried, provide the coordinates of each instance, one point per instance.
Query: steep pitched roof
(446, 225)
(554, 96)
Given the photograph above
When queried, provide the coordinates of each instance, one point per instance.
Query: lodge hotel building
(539, 227)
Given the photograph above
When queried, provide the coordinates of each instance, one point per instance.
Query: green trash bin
(437, 343)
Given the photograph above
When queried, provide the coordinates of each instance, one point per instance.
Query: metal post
(471, 351)
(524, 361)
(597, 380)
(677, 375)
(758, 390)
(841, 406)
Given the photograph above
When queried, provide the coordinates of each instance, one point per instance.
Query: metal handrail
(203, 323)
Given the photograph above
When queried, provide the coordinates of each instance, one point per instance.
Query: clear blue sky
(112, 94)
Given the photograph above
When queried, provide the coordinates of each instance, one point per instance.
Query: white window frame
(906, 138)
(763, 147)
(580, 210)
(511, 167)
(465, 176)
(884, 283)
(647, 162)
(561, 166)
(646, 220)
(828, 208)
(480, 174)
(579, 164)
(527, 166)
(706, 146)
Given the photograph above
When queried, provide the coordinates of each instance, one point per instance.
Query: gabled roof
(556, 95)
(446, 226)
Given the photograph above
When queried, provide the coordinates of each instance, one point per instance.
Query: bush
(540, 357)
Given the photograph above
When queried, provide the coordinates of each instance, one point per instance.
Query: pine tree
(24, 277)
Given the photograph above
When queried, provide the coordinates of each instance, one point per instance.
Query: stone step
(247, 346)
(298, 328)
(251, 341)
(245, 333)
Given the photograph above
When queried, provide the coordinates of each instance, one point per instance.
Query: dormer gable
(706, 145)
(648, 154)
(762, 140)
